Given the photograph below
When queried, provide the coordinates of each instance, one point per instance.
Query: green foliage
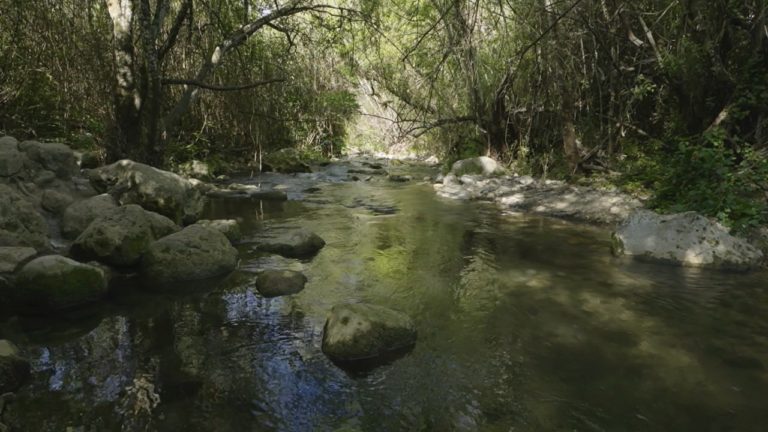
(713, 179)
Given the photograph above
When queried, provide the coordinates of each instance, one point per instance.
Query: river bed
(525, 324)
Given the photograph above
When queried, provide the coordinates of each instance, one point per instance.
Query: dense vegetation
(666, 97)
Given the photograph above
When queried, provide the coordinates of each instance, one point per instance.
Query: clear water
(525, 324)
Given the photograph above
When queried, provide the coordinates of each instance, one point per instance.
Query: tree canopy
(667, 97)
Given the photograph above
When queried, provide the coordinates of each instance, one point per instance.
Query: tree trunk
(126, 134)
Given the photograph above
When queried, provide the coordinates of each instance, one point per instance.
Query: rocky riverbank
(65, 232)
(687, 239)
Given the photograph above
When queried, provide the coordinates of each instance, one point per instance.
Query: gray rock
(300, 243)
(274, 283)
(44, 178)
(481, 165)
(11, 159)
(11, 258)
(79, 215)
(14, 369)
(687, 239)
(122, 236)
(155, 190)
(54, 201)
(55, 157)
(57, 282)
(8, 141)
(363, 331)
(228, 227)
(20, 223)
(196, 252)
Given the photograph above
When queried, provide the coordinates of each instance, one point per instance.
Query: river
(525, 324)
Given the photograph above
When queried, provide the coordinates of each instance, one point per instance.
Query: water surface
(525, 324)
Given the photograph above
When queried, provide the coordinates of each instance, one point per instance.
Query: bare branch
(206, 86)
(173, 34)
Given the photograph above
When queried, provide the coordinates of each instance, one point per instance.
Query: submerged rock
(79, 215)
(274, 283)
(164, 192)
(57, 282)
(300, 243)
(362, 331)
(243, 191)
(481, 165)
(196, 252)
(121, 237)
(398, 178)
(228, 227)
(688, 239)
(14, 369)
(20, 223)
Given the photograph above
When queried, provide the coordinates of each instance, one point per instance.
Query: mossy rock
(121, 237)
(57, 282)
(355, 332)
(275, 283)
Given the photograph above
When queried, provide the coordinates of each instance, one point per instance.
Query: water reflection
(525, 324)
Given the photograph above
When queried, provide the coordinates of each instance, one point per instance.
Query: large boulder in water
(300, 243)
(362, 331)
(20, 222)
(57, 282)
(14, 370)
(196, 252)
(55, 157)
(79, 215)
(481, 165)
(274, 283)
(121, 236)
(688, 239)
(156, 190)
(286, 160)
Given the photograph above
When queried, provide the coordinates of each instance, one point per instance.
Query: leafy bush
(714, 179)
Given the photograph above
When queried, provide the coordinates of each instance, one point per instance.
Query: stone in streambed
(121, 237)
(196, 252)
(356, 332)
(79, 215)
(57, 282)
(274, 283)
(12, 257)
(687, 239)
(14, 370)
(175, 197)
(228, 227)
(300, 243)
(20, 223)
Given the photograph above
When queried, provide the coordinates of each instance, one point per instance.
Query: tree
(142, 125)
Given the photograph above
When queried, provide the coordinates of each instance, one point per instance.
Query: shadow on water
(525, 324)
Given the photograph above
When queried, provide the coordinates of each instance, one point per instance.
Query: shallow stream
(525, 324)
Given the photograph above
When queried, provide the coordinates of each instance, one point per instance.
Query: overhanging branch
(206, 86)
